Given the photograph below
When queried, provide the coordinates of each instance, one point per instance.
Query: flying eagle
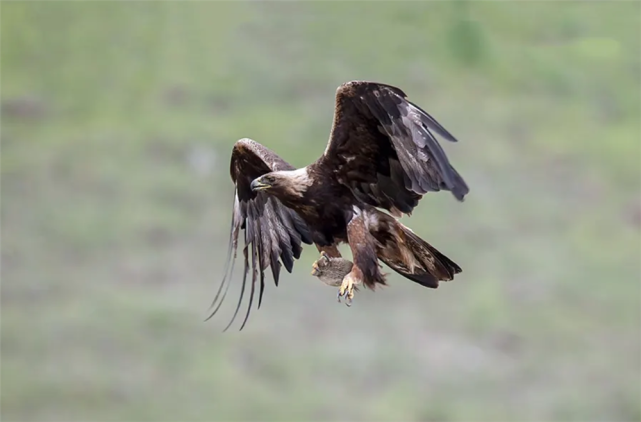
(382, 154)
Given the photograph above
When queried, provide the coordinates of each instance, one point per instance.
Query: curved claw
(315, 270)
(348, 298)
(346, 290)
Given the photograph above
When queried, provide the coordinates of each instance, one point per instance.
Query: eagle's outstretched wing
(273, 233)
(383, 148)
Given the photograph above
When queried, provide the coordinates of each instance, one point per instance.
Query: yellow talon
(315, 269)
(346, 289)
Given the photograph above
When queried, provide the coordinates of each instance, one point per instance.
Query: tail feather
(409, 255)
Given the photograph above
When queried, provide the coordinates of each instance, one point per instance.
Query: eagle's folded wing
(383, 148)
(272, 232)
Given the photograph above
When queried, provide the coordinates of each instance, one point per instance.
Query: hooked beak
(258, 184)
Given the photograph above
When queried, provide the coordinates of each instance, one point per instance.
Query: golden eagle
(382, 154)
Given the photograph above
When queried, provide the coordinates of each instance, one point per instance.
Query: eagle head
(266, 181)
(288, 183)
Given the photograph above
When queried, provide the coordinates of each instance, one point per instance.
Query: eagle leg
(366, 268)
(330, 251)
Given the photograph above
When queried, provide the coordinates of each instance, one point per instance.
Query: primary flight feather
(382, 154)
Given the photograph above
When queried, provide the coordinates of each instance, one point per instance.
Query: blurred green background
(118, 121)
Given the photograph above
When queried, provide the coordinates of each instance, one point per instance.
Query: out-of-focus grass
(117, 123)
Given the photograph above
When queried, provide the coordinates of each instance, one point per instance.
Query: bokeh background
(118, 121)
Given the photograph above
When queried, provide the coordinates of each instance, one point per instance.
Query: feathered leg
(331, 251)
(366, 269)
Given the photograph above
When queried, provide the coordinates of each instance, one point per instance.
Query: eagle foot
(347, 288)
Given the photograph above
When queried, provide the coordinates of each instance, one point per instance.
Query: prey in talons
(336, 272)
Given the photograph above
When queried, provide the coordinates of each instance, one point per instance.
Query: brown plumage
(382, 154)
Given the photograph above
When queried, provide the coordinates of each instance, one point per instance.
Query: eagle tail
(409, 255)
